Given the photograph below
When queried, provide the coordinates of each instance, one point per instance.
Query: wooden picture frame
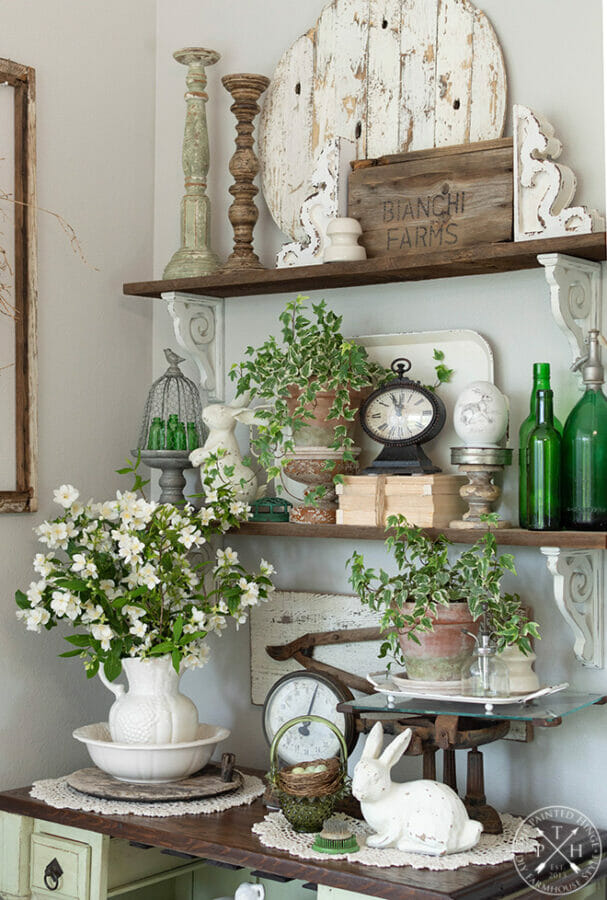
(22, 79)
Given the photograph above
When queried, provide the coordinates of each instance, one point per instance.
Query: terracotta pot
(318, 431)
(442, 652)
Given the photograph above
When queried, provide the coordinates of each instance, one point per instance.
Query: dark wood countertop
(227, 837)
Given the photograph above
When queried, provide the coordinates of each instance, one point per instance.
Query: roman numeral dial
(400, 413)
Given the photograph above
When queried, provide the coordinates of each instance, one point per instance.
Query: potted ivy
(311, 382)
(425, 607)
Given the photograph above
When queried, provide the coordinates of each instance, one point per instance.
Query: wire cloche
(173, 412)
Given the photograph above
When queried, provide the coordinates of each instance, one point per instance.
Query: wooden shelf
(514, 537)
(480, 260)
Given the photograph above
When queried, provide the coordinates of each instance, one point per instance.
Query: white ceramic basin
(150, 763)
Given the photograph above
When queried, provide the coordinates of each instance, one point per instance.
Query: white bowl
(150, 763)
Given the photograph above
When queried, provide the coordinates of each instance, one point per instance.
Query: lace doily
(274, 831)
(57, 792)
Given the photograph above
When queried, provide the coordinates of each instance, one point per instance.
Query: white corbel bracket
(578, 591)
(198, 323)
(575, 297)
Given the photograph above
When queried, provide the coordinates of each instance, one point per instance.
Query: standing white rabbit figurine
(416, 816)
(221, 421)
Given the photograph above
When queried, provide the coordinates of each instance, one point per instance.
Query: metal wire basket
(173, 398)
(308, 798)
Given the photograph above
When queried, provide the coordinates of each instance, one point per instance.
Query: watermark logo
(569, 850)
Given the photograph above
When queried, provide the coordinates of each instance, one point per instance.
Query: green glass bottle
(544, 468)
(541, 382)
(181, 441)
(156, 439)
(193, 440)
(172, 426)
(584, 492)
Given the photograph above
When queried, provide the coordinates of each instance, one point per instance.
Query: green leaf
(21, 600)
(112, 667)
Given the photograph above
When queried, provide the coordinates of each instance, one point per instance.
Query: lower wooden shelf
(514, 537)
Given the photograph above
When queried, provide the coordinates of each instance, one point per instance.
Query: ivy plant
(311, 355)
(427, 578)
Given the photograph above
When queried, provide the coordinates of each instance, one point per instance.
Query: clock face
(300, 694)
(400, 414)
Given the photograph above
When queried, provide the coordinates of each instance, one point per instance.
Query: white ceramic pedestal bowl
(150, 763)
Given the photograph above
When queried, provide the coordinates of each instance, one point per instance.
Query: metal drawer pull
(52, 874)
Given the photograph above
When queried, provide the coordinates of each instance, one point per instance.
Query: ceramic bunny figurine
(416, 816)
(221, 421)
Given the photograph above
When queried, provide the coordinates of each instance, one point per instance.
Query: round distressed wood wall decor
(391, 75)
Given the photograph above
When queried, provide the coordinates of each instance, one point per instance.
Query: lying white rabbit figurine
(221, 421)
(416, 816)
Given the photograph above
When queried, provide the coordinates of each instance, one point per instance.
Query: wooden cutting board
(392, 76)
(99, 784)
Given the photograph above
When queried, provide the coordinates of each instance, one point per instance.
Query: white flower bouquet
(122, 573)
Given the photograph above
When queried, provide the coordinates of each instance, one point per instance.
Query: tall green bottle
(544, 468)
(585, 450)
(541, 382)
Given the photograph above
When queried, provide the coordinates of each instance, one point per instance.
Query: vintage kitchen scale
(402, 415)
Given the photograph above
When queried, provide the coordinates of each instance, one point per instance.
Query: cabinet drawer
(75, 861)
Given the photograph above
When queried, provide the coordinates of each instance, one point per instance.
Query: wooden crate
(430, 501)
(445, 198)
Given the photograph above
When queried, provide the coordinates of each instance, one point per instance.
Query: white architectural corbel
(578, 591)
(198, 323)
(575, 297)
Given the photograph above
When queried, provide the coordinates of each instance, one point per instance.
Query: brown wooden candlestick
(246, 89)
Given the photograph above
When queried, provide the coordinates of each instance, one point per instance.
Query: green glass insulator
(544, 469)
(541, 382)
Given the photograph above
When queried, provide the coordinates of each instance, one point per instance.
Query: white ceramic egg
(480, 417)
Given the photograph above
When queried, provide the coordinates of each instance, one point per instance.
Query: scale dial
(400, 414)
(306, 693)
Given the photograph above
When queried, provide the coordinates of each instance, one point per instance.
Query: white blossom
(138, 628)
(197, 657)
(133, 612)
(189, 536)
(34, 618)
(206, 515)
(66, 495)
(266, 568)
(53, 534)
(227, 557)
(147, 577)
(34, 592)
(91, 613)
(43, 565)
(103, 634)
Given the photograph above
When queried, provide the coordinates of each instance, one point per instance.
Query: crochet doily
(274, 831)
(57, 792)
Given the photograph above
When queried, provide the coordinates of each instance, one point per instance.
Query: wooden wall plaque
(445, 198)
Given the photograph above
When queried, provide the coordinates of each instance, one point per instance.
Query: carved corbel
(578, 591)
(575, 297)
(198, 323)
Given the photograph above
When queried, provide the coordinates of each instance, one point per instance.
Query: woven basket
(307, 799)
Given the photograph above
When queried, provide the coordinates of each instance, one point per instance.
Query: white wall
(95, 86)
(553, 55)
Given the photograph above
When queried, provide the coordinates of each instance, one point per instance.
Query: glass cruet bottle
(584, 479)
(541, 382)
(487, 675)
(544, 469)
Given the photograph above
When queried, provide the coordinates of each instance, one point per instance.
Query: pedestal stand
(244, 166)
(195, 256)
(172, 464)
(480, 465)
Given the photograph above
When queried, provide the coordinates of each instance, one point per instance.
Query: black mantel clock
(402, 415)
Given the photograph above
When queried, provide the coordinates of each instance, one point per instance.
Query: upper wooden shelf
(481, 260)
(514, 537)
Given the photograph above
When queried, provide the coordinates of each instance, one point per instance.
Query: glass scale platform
(544, 712)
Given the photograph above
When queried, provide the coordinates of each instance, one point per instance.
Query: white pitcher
(152, 711)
